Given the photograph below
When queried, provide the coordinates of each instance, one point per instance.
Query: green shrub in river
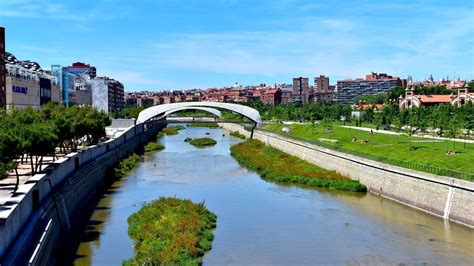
(172, 130)
(154, 146)
(203, 142)
(171, 231)
(126, 165)
(237, 134)
(275, 165)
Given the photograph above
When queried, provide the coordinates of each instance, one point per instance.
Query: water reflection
(266, 223)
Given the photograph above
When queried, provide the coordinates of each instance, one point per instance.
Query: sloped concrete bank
(446, 197)
(46, 210)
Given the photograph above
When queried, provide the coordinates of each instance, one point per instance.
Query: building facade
(323, 92)
(3, 71)
(348, 90)
(107, 94)
(413, 100)
(271, 97)
(27, 85)
(301, 90)
(81, 69)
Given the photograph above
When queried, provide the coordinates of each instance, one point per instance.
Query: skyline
(198, 44)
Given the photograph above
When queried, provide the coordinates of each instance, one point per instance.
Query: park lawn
(425, 151)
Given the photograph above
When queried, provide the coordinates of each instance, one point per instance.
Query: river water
(259, 222)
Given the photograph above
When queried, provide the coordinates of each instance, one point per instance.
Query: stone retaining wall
(46, 207)
(442, 196)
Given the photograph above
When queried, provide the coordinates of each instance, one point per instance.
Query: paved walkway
(388, 132)
(7, 185)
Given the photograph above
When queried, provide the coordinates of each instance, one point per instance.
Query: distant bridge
(161, 112)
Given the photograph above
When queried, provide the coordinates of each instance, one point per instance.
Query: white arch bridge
(159, 112)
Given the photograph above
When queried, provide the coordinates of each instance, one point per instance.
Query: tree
(453, 129)
(10, 151)
(40, 140)
(369, 115)
(398, 125)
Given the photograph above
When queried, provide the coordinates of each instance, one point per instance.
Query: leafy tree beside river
(28, 135)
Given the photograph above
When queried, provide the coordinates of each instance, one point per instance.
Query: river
(259, 222)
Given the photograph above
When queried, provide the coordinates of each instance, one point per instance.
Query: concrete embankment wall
(446, 197)
(46, 208)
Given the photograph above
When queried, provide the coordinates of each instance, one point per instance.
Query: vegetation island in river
(203, 142)
(171, 231)
(275, 165)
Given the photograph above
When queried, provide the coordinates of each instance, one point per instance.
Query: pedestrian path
(388, 132)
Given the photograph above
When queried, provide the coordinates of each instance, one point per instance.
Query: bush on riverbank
(171, 231)
(203, 142)
(126, 165)
(275, 165)
(237, 134)
(172, 130)
(154, 146)
(204, 124)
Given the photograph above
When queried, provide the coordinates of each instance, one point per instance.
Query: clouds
(211, 43)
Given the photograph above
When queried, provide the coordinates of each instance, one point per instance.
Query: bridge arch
(158, 110)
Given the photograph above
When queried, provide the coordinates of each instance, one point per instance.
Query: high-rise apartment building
(348, 90)
(107, 94)
(301, 90)
(3, 71)
(323, 92)
(321, 84)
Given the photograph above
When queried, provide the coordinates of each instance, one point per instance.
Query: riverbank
(449, 198)
(415, 153)
(171, 231)
(274, 165)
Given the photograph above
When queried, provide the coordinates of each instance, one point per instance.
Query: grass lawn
(423, 154)
(275, 165)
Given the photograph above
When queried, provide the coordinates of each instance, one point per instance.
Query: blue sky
(167, 44)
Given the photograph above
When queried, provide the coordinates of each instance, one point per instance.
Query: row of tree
(447, 120)
(27, 135)
(300, 112)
